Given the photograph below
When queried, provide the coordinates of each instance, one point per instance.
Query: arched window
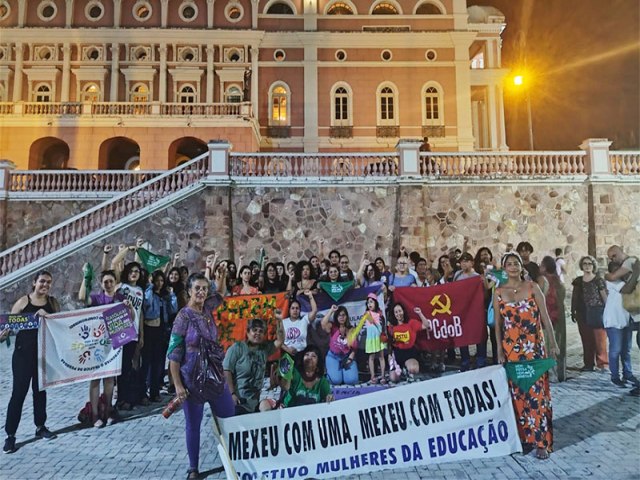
(233, 94)
(430, 8)
(42, 93)
(279, 101)
(187, 94)
(432, 106)
(91, 93)
(387, 106)
(280, 8)
(139, 93)
(341, 107)
(340, 8)
(385, 8)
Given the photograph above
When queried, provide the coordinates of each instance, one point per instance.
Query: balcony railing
(503, 164)
(625, 163)
(257, 165)
(121, 109)
(78, 180)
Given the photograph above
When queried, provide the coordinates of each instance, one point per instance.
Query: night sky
(586, 59)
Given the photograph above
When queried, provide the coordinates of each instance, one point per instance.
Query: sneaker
(618, 382)
(98, 423)
(110, 421)
(9, 445)
(632, 379)
(43, 432)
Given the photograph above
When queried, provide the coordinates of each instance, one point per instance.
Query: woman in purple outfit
(190, 326)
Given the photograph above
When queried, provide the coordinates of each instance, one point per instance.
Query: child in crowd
(374, 347)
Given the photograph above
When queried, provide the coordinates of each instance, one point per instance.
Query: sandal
(383, 381)
(542, 453)
(374, 380)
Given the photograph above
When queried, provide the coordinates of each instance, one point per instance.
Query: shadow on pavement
(604, 416)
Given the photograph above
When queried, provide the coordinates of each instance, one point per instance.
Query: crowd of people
(173, 319)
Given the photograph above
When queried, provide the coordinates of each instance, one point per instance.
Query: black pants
(127, 379)
(153, 358)
(25, 371)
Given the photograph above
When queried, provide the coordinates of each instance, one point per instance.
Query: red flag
(455, 311)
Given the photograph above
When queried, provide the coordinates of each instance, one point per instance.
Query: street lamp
(519, 81)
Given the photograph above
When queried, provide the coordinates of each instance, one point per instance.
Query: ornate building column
(117, 13)
(22, 12)
(66, 72)
(254, 14)
(17, 76)
(68, 13)
(164, 13)
(254, 81)
(210, 13)
(310, 140)
(209, 87)
(115, 72)
(162, 85)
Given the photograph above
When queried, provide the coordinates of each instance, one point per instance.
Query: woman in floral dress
(521, 314)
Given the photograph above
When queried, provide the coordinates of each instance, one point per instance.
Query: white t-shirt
(615, 316)
(295, 333)
(560, 263)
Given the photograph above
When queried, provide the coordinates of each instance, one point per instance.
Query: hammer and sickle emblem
(441, 307)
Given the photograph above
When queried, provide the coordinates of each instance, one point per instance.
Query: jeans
(338, 376)
(25, 371)
(620, 350)
(154, 352)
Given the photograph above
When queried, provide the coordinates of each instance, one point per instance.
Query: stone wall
(290, 221)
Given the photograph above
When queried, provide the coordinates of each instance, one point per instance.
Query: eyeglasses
(198, 288)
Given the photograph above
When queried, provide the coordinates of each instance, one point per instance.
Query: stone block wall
(290, 221)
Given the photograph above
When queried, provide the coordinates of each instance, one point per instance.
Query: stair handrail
(103, 206)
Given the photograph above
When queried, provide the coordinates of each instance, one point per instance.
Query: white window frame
(91, 96)
(348, 97)
(184, 5)
(181, 94)
(395, 5)
(271, 2)
(42, 5)
(228, 8)
(437, 3)
(137, 5)
(133, 93)
(35, 92)
(233, 90)
(7, 6)
(287, 95)
(395, 111)
(89, 6)
(439, 96)
(351, 5)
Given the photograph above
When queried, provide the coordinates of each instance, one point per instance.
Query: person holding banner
(191, 333)
(343, 346)
(107, 296)
(520, 318)
(24, 364)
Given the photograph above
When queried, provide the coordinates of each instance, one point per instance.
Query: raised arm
(104, 264)
(117, 263)
(314, 308)
(83, 294)
(363, 264)
(325, 323)
(423, 319)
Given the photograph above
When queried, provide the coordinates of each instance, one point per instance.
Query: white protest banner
(453, 418)
(75, 347)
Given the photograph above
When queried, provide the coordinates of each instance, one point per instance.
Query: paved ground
(596, 424)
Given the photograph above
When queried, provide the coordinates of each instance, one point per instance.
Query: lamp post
(519, 82)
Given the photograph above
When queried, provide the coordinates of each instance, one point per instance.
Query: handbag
(593, 317)
(207, 375)
(631, 301)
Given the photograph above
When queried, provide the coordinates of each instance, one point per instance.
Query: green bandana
(175, 341)
(151, 261)
(87, 271)
(524, 374)
(286, 366)
(336, 290)
(498, 276)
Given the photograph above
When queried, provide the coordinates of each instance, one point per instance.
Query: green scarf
(524, 374)
(336, 290)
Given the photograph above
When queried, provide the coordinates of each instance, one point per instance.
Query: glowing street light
(519, 81)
